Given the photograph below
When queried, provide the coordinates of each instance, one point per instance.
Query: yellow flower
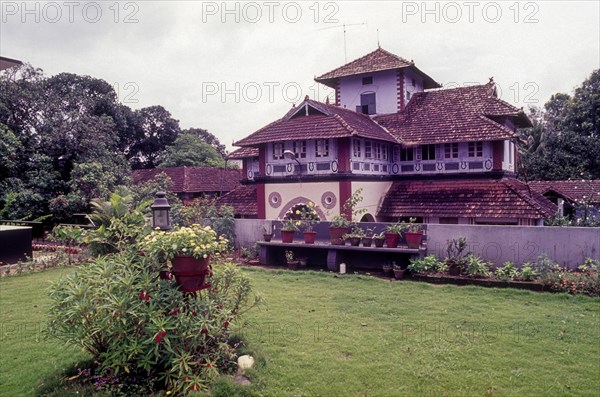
(297, 212)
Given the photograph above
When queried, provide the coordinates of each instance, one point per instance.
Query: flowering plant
(196, 241)
(290, 224)
(308, 216)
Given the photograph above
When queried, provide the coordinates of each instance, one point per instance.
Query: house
(415, 150)
(193, 182)
(6, 63)
(574, 198)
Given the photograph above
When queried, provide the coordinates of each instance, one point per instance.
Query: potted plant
(399, 271)
(189, 249)
(337, 229)
(355, 236)
(367, 239)
(387, 266)
(309, 218)
(413, 234)
(289, 226)
(292, 263)
(379, 239)
(268, 234)
(393, 233)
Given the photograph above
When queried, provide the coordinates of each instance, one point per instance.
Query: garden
(108, 311)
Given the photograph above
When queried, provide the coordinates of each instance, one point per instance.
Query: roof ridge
(527, 197)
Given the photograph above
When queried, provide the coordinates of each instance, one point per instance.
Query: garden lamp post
(160, 212)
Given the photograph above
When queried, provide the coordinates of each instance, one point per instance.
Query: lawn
(321, 334)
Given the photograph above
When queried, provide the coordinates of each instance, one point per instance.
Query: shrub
(426, 265)
(587, 282)
(455, 252)
(507, 272)
(528, 273)
(544, 265)
(133, 323)
(477, 267)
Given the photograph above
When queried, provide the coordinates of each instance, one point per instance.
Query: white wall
(312, 191)
(373, 194)
(384, 86)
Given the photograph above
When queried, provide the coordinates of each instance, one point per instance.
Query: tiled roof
(243, 153)
(375, 61)
(194, 179)
(577, 191)
(466, 198)
(243, 199)
(452, 115)
(323, 121)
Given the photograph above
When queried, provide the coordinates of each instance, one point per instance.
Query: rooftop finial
(378, 45)
(306, 98)
(327, 100)
(492, 79)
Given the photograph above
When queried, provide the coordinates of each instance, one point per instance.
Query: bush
(477, 267)
(528, 273)
(426, 265)
(507, 272)
(587, 282)
(137, 326)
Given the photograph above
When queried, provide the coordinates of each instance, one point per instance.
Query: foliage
(355, 232)
(413, 227)
(192, 151)
(250, 251)
(581, 282)
(397, 228)
(195, 240)
(429, 264)
(207, 137)
(136, 325)
(340, 221)
(68, 234)
(477, 267)
(544, 265)
(455, 252)
(528, 273)
(205, 211)
(119, 225)
(289, 256)
(507, 272)
(565, 140)
(308, 216)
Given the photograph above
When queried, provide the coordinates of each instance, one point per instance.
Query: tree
(155, 130)
(190, 150)
(208, 138)
(564, 142)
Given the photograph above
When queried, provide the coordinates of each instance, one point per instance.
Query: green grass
(326, 335)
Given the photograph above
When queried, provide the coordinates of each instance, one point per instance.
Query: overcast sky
(233, 67)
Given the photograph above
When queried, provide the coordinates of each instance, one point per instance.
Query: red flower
(158, 338)
(204, 331)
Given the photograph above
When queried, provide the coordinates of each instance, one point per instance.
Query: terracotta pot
(309, 237)
(336, 233)
(392, 240)
(379, 241)
(287, 236)
(367, 241)
(387, 269)
(354, 241)
(399, 274)
(190, 273)
(268, 237)
(413, 239)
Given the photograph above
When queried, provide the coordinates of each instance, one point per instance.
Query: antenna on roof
(378, 45)
(344, 27)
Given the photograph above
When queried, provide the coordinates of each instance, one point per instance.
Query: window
(451, 150)
(408, 94)
(407, 154)
(396, 153)
(413, 82)
(384, 151)
(322, 147)
(356, 148)
(367, 104)
(368, 150)
(510, 152)
(475, 149)
(277, 151)
(367, 80)
(428, 152)
(377, 147)
(299, 149)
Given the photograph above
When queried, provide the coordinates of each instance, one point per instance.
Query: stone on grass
(245, 362)
(242, 380)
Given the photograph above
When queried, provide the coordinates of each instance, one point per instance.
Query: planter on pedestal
(287, 236)
(392, 239)
(366, 241)
(190, 273)
(336, 233)
(378, 241)
(413, 239)
(310, 237)
(268, 236)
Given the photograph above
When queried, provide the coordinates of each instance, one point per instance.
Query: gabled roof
(375, 61)
(578, 191)
(453, 115)
(194, 179)
(316, 120)
(6, 63)
(466, 198)
(243, 199)
(243, 153)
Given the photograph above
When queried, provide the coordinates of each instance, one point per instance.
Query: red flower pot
(336, 233)
(309, 237)
(413, 239)
(268, 237)
(287, 236)
(392, 240)
(190, 273)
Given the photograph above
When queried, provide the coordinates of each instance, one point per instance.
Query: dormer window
(277, 151)
(322, 148)
(367, 80)
(299, 149)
